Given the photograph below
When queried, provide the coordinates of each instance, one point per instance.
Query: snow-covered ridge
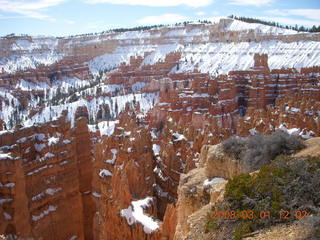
(236, 25)
(32, 51)
(217, 58)
(207, 55)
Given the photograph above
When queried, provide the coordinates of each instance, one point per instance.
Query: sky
(70, 17)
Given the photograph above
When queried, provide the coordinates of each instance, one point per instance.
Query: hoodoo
(123, 134)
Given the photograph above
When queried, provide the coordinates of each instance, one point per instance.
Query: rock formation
(44, 176)
(125, 117)
(198, 194)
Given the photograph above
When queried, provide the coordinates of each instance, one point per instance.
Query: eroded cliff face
(203, 188)
(43, 182)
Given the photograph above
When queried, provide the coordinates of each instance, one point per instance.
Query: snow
(8, 185)
(39, 136)
(17, 62)
(138, 86)
(134, 214)
(53, 140)
(159, 53)
(159, 172)
(196, 95)
(237, 25)
(253, 131)
(39, 147)
(63, 162)
(51, 208)
(29, 86)
(144, 99)
(66, 141)
(49, 155)
(7, 216)
(178, 137)
(292, 110)
(135, 43)
(97, 195)
(160, 191)
(34, 52)
(46, 156)
(127, 133)
(5, 200)
(39, 170)
(304, 133)
(153, 134)
(213, 181)
(122, 54)
(22, 140)
(105, 173)
(5, 156)
(48, 191)
(105, 127)
(218, 57)
(156, 149)
(114, 153)
(197, 52)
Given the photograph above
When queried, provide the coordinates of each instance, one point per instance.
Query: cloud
(162, 19)
(152, 3)
(312, 14)
(29, 9)
(200, 13)
(256, 3)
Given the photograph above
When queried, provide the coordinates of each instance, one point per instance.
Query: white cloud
(256, 3)
(162, 19)
(312, 14)
(200, 13)
(159, 3)
(31, 9)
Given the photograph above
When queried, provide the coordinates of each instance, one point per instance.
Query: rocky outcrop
(45, 172)
(218, 164)
(197, 195)
(123, 174)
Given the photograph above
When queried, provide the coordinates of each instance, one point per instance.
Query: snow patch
(105, 173)
(51, 208)
(156, 149)
(213, 181)
(178, 137)
(114, 153)
(5, 156)
(135, 214)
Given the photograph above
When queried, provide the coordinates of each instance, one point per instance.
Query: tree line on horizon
(301, 28)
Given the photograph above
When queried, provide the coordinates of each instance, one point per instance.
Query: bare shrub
(259, 150)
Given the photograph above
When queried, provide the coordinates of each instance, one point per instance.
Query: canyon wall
(45, 173)
(137, 108)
